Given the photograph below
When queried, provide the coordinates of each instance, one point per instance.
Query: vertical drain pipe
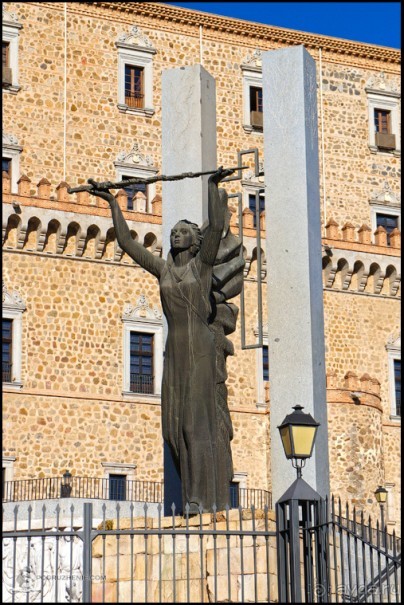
(322, 143)
(65, 92)
(200, 46)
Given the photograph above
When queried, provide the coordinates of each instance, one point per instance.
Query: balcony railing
(141, 383)
(103, 489)
(6, 371)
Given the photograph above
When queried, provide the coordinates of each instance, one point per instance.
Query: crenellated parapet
(79, 226)
(353, 390)
(352, 237)
(356, 447)
(352, 262)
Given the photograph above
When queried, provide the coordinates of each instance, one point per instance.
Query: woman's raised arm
(217, 206)
(136, 251)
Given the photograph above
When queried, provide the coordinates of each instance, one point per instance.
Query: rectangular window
(234, 494)
(6, 166)
(6, 54)
(388, 221)
(132, 190)
(256, 107)
(134, 93)
(141, 363)
(251, 205)
(7, 349)
(117, 487)
(255, 98)
(382, 121)
(397, 385)
(265, 366)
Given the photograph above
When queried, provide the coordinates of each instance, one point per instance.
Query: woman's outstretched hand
(103, 194)
(220, 174)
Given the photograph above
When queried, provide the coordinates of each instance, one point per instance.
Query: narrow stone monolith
(293, 249)
(188, 145)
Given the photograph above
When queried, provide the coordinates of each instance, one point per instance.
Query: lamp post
(296, 510)
(298, 432)
(66, 487)
(381, 497)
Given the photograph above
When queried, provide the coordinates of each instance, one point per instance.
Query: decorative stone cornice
(12, 300)
(141, 311)
(379, 83)
(10, 19)
(135, 157)
(269, 33)
(385, 196)
(135, 37)
(394, 342)
(253, 61)
(10, 141)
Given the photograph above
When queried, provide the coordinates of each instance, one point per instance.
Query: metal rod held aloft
(152, 179)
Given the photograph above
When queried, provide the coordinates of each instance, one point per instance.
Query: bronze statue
(201, 273)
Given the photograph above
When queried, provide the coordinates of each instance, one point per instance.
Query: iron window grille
(389, 222)
(7, 326)
(132, 190)
(117, 487)
(397, 385)
(134, 86)
(141, 363)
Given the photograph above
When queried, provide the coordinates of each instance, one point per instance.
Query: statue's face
(182, 236)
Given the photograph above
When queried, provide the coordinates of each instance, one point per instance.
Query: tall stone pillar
(293, 250)
(188, 145)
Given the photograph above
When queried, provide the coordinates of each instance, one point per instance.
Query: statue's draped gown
(188, 390)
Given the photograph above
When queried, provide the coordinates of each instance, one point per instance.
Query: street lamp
(66, 487)
(298, 432)
(381, 497)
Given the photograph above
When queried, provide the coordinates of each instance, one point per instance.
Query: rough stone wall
(72, 347)
(357, 329)
(97, 131)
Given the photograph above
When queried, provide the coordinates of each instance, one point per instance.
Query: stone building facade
(73, 296)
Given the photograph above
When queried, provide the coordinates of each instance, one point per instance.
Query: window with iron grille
(6, 53)
(141, 363)
(117, 487)
(251, 205)
(132, 190)
(7, 331)
(134, 86)
(397, 385)
(389, 222)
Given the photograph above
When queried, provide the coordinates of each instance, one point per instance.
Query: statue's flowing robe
(189, 382)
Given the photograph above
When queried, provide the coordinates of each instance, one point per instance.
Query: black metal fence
(223, 556)
(329, 555)
(106, 489)
(344, 559)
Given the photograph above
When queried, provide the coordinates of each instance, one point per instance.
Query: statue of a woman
(188, 401)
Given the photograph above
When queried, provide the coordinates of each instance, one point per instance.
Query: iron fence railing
(222, 557)
(81, 487)
(330, 555)
(107, 489)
